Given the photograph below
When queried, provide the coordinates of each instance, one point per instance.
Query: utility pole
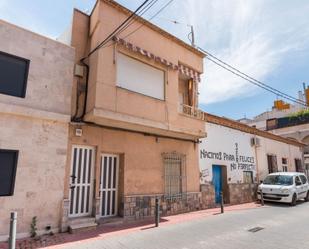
(192, 35)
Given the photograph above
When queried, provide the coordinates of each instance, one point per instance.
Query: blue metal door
(217, 181)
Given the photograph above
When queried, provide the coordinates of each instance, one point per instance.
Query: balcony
(193, 112)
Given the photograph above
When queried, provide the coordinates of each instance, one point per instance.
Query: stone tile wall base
(141, 207)
(242, 193)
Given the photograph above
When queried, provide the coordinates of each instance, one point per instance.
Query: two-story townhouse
(135, 128)
(36, 75)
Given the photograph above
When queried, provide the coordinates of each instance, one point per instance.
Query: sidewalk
(106, 230)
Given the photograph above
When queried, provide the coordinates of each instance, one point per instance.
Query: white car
(285, 187)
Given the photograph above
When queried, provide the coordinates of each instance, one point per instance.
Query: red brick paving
(107, 230)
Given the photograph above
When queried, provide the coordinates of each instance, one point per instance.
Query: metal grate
(175, 175)
(255, 229)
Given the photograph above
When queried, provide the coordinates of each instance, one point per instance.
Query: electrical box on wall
(79, 71)
(78, 132)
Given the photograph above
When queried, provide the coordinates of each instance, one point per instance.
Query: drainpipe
(81, 118)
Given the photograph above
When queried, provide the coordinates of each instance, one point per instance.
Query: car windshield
(278, 180)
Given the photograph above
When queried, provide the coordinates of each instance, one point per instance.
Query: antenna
(190, 36)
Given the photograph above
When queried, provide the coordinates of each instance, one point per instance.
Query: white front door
(81, 181)
(109, 185)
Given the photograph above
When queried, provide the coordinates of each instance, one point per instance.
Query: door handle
(73, 176)
(72, 187)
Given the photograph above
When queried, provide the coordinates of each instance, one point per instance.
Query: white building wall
(224, 142)
(280, 150)
(219, 148)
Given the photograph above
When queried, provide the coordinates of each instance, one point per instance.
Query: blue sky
(267, 39)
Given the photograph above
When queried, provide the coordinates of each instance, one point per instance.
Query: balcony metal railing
(193, 112)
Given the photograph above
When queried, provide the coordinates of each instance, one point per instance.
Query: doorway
(219, 179)
(109, 185)
(81, 181)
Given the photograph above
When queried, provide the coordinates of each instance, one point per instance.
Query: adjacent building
(287, 120)
(135, 127)
(36, 75)
(234, 157)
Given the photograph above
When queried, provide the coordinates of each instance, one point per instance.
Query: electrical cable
(152, 17)
(251, 81)
(258, 83)
(111, 35)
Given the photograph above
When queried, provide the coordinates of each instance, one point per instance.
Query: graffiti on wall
(236, 161)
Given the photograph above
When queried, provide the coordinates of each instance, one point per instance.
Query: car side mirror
(298, 183)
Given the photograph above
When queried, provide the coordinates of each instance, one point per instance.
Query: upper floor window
(140, 77)
(8, 164)
(13, 75)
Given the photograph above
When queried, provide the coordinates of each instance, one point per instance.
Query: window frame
(25, 81)
(251, 176)
(169, 159)
(12, 187)
(298, 165)
(134, 57)
(284, 164)
(272, 163)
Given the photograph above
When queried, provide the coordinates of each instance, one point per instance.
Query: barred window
(298, 165)
(175, 175)
(248, 176)
(284, 164)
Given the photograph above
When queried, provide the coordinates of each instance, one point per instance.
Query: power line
(244, 76)
(153, 2)
(263, 87)
(110, 36)
(253, 79)
(152, 17)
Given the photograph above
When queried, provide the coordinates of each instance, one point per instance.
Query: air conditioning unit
(255, 141)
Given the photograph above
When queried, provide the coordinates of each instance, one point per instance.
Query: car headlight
(285, 191)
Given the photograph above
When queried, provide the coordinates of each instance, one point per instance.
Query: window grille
(175, 175)
(298, 165)
(272, 163)
(248, 176)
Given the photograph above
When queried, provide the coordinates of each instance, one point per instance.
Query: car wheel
(307, 197)
(294, 199)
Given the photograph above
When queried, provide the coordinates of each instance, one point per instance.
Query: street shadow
(281, 204)
(101, 231)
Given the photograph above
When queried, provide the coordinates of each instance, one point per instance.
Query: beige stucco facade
(37, 127)
(133, 127)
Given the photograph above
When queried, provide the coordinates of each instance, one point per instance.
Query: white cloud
(253, 36)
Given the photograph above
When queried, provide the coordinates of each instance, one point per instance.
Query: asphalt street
(281, 226)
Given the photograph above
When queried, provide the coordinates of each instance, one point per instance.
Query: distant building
(287, 120)
(280, 109)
